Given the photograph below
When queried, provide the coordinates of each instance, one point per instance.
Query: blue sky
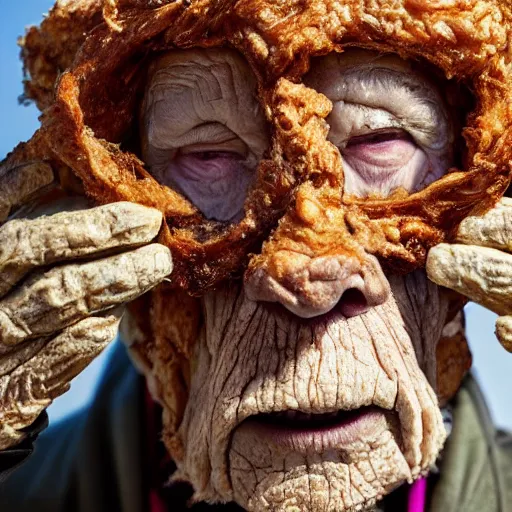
(18, 123)
(493, 366)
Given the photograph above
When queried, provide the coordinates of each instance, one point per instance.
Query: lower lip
(359, 426)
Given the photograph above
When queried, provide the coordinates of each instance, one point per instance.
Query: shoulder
(42, 482)
(504, 443)
(90, 461)
(476, 465)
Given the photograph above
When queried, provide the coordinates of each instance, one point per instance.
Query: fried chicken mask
(304, 221)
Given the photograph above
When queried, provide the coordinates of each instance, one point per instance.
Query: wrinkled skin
(328, 348)
(57, 320)
(253, 359)
(479, 265)
(330, 334)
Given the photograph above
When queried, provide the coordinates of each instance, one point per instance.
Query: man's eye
(213, 155)
(379, 151)
(378, 136)
(387, 159)
(207, 166)
(214, 180)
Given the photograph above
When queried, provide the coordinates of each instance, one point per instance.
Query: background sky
(492, 364)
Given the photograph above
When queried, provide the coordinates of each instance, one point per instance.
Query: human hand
(63, 281)
(479, 265)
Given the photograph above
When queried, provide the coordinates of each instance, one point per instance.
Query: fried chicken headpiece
(102, 49)
(88, 65)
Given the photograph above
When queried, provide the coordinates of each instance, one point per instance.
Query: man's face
(311, 381)
(204, 131)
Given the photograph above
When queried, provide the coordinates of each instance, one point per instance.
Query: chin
(345, 460)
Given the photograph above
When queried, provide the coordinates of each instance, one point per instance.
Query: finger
(31, 387)
(19, 354)
(48, 302)
(494, 229)
(480, 273)
(18, 183)
(504, 332)
(26, 244)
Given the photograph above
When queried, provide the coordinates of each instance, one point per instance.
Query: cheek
(424, 309)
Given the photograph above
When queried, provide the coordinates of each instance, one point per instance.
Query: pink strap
(418, 496)
(156, 504)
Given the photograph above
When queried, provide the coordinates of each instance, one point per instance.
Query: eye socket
(206, 156)
(389, 120)
(214, 177)
(203, 129)
(213, 169)
(383, 160)
(209, 162)
(380, 151)
(383, 152)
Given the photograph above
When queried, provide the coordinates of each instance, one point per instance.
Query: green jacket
(94, 461)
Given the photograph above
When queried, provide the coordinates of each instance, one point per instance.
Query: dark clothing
(96, 460)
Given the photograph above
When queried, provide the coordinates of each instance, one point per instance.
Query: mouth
(306, 432)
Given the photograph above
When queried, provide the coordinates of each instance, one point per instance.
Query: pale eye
(214, 168)
(382, 161)
(213, 155)
(389, 122)
(215, 181)
(380, 150)
(205, 159)
(378, 157)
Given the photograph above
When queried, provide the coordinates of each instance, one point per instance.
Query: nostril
(352, 303)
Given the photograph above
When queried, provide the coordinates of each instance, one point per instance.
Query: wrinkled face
(311, 385)
(205, 132)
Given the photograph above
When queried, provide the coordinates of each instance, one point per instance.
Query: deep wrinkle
(371, 100)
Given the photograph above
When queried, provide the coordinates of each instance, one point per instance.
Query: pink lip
(361, 425)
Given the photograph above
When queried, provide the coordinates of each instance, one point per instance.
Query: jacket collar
(471, 468)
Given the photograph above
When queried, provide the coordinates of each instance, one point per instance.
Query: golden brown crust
(466, 40)
(453, 363)
(171, 320)
(48, 50)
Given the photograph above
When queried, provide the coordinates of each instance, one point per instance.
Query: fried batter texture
(297, 205)
(91, 119)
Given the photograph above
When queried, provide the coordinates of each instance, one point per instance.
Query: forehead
(359, 57)
(225, 74)
(198, 57)
(349, 58)
(213, 75)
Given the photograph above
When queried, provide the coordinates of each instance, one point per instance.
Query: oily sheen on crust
(277, 39)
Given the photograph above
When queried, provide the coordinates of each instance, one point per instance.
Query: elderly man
(329, 178)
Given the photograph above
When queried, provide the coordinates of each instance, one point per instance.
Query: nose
(311, 286)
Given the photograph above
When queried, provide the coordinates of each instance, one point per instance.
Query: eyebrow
(373, 78)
